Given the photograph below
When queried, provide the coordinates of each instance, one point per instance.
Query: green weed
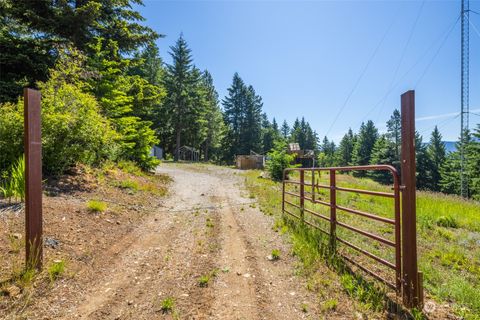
(447, 222)
(96, 206)
(14, 181)
(56, 269)
(167, 305)
(275, 254)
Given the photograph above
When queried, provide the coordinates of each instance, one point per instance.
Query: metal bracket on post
(411, 287)
(33, 179)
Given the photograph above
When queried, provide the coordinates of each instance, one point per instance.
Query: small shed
(157, 152)
(294, 148)
(248, 162)
(187, 153)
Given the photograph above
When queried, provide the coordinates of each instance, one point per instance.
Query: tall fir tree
(181, 81)
(285, 129)
(437, 152)
(363, 147)
(345, 149)
(384, 152)
(424, 164)
(394, 134)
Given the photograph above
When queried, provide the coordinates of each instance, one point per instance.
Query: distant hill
(450, 146)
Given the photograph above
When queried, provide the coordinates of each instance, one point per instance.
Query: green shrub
(14, 185)
(96, 206)
(279, 160)
(11, 134)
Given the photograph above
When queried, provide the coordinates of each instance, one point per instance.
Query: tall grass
(14, 181)
(448, 235)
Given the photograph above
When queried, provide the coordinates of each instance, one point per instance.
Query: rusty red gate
(304, 193)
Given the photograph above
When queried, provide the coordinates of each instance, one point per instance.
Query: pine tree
(424, 164)
(451, 168)
(345, 149)
(233, 111)
(474, 160)
(181, 81)
(285, 130)
(252, 128)
(394, 134)
(214, 119)
(363, 147)
(326, 157)
(384, 152)
(437, 152)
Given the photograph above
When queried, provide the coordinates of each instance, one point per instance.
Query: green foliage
(437, 153)
(303, 134)
(279, 161)
(362, 150)
(96, 206)
(345, 149)
(56, 269)
(383, 153)
(14, 181)
(275, 254)
(447, 222)
(167, 305)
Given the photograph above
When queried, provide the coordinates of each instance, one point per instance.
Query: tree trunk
(177, 143)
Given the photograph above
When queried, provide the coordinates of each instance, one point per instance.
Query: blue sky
(313, 58)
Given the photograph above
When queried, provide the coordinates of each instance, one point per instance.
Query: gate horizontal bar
(368, 215)
(373, 274)
(369, 254)
(373, 193)
(294, 215)
(322, 202)
(317, 227)
(317, 214)
(367, 234)
(292, 204)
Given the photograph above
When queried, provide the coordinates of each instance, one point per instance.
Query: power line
(444, 34)
(402, 55)
(435, 55)
(358, 80)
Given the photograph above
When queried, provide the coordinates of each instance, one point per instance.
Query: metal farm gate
(381, 244)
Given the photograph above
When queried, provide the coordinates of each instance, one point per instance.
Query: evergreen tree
(474, 164)
(384, 152)
(252, 127)
(437, 153)
(394, 134)
(233, 111)
(345, 149)
(285, 130)
(326, 157)
(214, 118)
(181, 82)
(363, 147)
(451, 168)
(424, 164)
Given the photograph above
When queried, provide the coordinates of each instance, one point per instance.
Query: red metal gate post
(411, 289)
(302, 195)
(333, 211)
(33, 179)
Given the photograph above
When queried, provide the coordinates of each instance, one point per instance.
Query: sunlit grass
(448, 233)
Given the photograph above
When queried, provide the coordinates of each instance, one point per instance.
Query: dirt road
(208, 227)
(205, 248)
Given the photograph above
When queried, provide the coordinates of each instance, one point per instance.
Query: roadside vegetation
(448, 238)
(74, 234)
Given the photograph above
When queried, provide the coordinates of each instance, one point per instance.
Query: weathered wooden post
(411, 283)
(33, 179)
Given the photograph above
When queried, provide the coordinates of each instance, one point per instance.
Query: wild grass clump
(56, 269)
(167, 305)
(275, 254)
(14, 181)
(96, 206)
(128, 185)
(447, 222)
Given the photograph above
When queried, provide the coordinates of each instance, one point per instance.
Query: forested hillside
(107, 95)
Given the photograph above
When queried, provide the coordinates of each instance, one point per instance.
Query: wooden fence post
(411, 287)
(302, 195)
(33, 179)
